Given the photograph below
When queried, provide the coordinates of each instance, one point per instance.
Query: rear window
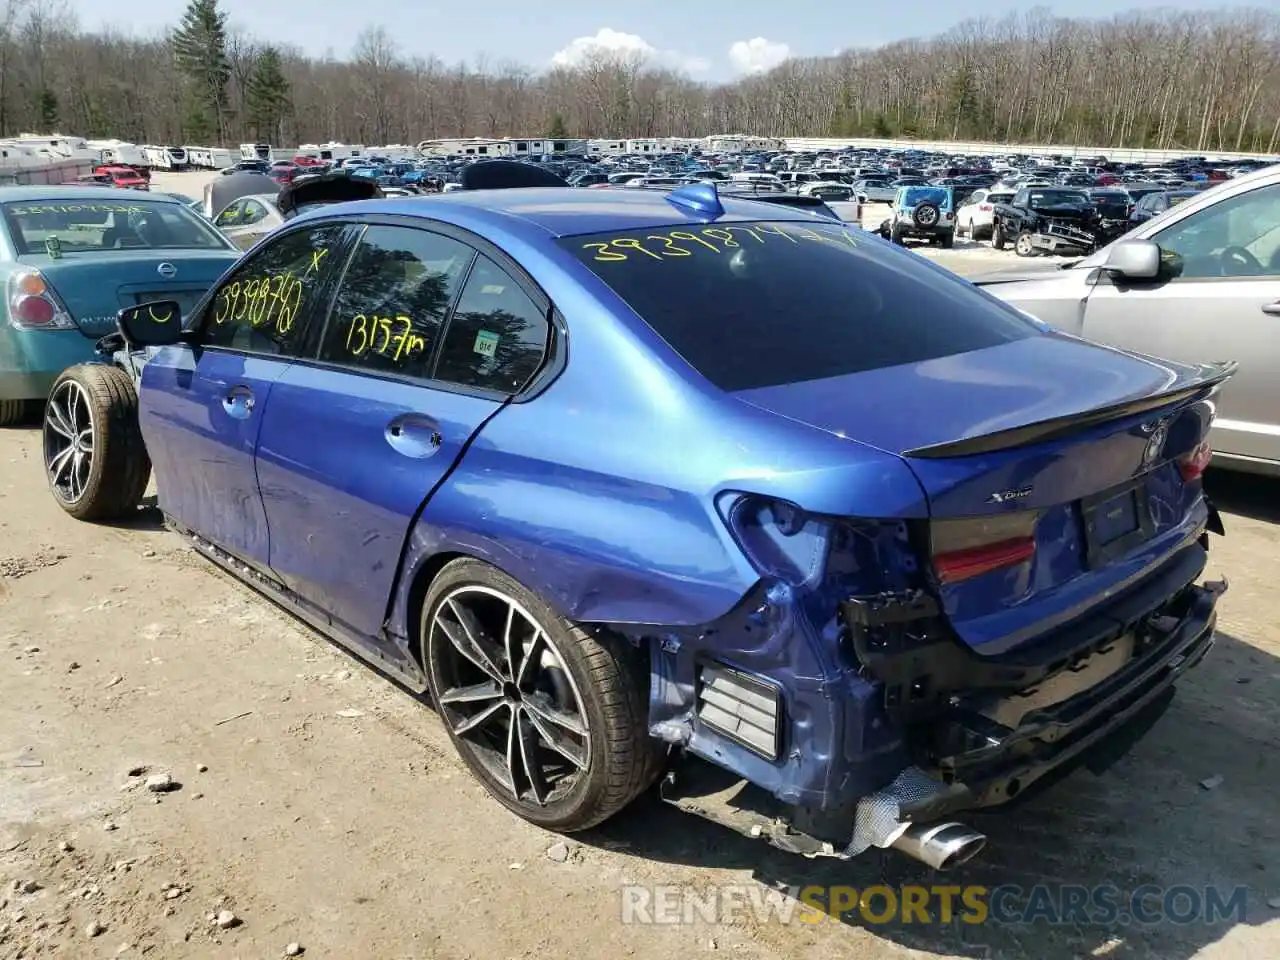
(759, 304)
(95, 226)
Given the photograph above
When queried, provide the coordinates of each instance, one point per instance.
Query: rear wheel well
(417, 594)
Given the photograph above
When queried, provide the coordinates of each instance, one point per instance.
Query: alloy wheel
(68, 441)
(507, 696)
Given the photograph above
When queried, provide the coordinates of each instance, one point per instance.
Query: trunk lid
(95, 287)
(1050, 465)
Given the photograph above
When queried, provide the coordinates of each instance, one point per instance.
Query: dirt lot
(323, 806)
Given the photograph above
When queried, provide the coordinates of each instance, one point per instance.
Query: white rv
(255, 151)
(331, 152)
(165, 158)
(118, 151)
(606, 148)
(466, 147)
(58, 147)
(210, 158)
(738, 143)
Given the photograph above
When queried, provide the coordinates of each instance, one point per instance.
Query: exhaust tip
(941, 845)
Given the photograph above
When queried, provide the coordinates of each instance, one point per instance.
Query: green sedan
(71, 257)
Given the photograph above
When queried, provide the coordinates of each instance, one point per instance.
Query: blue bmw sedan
(631, 484)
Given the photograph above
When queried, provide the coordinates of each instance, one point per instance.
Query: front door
(1221, 301)
(408, 372)
(204, 402)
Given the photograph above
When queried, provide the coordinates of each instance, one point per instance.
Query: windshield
(759, 304)
(939, 195)
(1056, 196)
(96, 226)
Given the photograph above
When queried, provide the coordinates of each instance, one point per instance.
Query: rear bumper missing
(981, 763)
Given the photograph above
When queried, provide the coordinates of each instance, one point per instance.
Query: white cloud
(611, 41)
(758, 55)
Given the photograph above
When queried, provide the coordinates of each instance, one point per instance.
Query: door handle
(238, 404)
(414, 436)
(1272, 309)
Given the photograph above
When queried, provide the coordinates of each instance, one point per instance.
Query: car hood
(1048, 271)
(911, 406)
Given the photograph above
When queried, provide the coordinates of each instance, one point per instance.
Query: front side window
(95, 226)
(758, 304)
(392, 300)
(265, 305)
(253, 212)
(1237, 237)
(497, 336)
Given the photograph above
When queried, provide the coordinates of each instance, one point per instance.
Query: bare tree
(1208, 82)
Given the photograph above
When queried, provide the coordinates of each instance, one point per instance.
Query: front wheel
(94, 456)
(549, 717)
(1023, 246)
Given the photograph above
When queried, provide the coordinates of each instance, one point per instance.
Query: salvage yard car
(1054, 220)
(581, 467)
(1200, 280)
(71, 257)
(922, 213)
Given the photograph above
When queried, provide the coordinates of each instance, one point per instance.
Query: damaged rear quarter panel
(623, 529)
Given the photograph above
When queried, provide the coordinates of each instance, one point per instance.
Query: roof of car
(560, 211)
(71, 192)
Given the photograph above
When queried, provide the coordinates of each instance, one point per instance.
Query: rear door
(426, 340)
(203, 404)
(1222, 303)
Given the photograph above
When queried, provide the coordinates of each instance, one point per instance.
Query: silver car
(1199, 282)
(247, 219)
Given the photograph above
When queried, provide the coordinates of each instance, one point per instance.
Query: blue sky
(714, 39)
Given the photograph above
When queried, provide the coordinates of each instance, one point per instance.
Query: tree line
(1206, 81)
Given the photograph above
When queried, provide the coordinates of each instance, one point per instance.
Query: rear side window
(393, 299)
(758, 304)
(497, 335)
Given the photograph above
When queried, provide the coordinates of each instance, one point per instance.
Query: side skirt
(402, 670)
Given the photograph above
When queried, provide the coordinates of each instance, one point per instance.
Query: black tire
(606, 675)
(1022, 245)
(997, 237)
(926, 215)
(948, 240)
(14, 413)
(895, 234)
(118, 469)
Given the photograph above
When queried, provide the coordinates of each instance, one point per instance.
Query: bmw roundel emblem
(167, 270)
(1155, 444)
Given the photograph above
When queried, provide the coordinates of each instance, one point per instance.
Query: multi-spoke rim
(504, 690)
(68, 441)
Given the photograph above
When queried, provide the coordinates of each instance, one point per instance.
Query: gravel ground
(298, 799)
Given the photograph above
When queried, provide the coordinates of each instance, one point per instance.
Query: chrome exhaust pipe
(940, 845)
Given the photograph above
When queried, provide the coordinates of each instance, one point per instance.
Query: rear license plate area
(1116, 521)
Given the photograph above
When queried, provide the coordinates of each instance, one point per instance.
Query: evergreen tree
(556, 129)
(267, 94)
(200, 50)
(47, 109)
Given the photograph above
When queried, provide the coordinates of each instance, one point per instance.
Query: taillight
(1193, 464)
(985, 207)
(33, 305)
(970, 547)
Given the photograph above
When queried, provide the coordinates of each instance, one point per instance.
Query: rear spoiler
(1207, 380)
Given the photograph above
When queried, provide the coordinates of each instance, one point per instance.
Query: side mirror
(1134, 260)
(153, 324)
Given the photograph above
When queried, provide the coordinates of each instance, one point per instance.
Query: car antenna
(698, 198)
